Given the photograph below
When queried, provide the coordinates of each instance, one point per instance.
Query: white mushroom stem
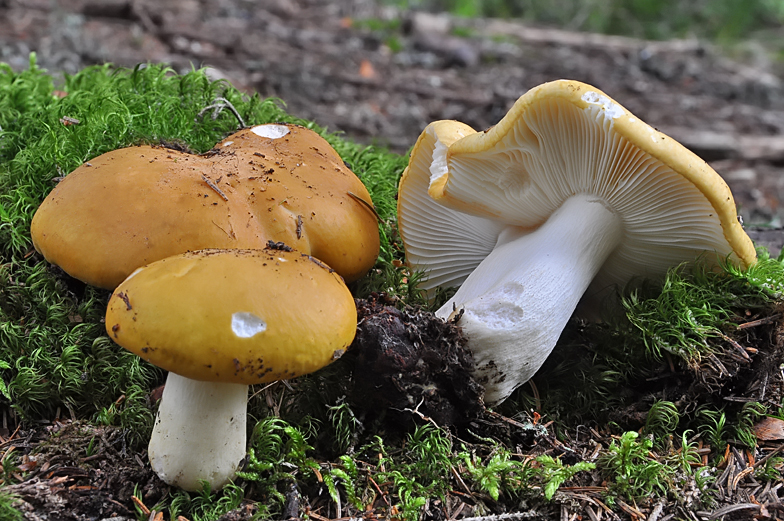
(199, 433)
(520, 297)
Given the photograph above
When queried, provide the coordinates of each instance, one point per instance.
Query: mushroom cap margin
(424, 224)
(646, 138)
(321, 213)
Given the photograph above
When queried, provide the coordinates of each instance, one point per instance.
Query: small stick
(737, 346)
(218, 104)
(381, 492)
(657, 510)
(768, 456)
(460, 481)
(214, 187)
(739, 476)
(505, 419)
(499, 517)
(754, 323)
(629, 509)
(138, 502)
(299, 227)
(729, 509)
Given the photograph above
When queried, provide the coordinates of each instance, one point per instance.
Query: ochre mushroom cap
(136, 205)
(234, 316)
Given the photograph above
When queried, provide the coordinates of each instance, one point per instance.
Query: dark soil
(412, 363)
(384, 85)
(79, 472)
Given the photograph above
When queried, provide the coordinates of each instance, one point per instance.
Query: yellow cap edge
(658, 145)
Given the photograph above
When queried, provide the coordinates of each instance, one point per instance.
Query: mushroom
(569, 194)
(220, 320)
(136, 205)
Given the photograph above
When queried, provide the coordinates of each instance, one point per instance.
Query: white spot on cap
(270, 131)
(246, 325)
(228, 143)
(611, 109)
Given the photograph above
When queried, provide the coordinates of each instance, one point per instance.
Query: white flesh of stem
(199, 432)
(519, 299)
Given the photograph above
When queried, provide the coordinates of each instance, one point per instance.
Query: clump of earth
(409, 362)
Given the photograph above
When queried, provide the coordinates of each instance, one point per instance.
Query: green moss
(7, 510)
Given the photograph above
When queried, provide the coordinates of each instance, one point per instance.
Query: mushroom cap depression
(234, 316)
(462, 188)
(140, 204)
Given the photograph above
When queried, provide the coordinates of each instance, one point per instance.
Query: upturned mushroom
(136, 205)
(568, 195)
(218, 321)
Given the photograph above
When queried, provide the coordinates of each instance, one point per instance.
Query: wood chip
(138, 502)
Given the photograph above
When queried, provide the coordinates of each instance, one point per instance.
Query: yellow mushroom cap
(562, 139)
(133, 206)
(238, 316)
(136, 205)
(319, 195)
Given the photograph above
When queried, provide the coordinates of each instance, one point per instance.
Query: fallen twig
(214, 187)
(723, 511)
(217, 106)
(760, 322)
(501, 517)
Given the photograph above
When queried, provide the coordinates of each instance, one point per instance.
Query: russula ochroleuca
(568, 195)
(219, 321)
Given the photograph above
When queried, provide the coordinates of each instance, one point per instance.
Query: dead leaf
(27, 464)
(366, 69)
(769, 429)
